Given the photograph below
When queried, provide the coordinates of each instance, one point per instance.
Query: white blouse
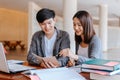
(49, 45)
(83, 51)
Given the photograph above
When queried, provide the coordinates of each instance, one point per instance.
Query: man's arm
(32, 57)
(65, 43)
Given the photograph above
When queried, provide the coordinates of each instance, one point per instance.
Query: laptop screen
(10, 67)
(3, 62)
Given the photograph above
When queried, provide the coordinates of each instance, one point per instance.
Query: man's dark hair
(44, 14)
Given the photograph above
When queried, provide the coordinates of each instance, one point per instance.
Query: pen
(57, 56)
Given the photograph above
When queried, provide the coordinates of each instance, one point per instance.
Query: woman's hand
(64, 52)
(69, 53)
(71, 62)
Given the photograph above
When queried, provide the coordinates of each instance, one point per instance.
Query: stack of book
(101, 66)
(95, 76)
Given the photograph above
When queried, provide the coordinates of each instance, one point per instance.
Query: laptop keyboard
(18, 68)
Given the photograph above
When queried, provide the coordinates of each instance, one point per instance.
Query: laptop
(10, 67)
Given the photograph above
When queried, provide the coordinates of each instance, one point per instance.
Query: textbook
(94, 76)
(52, 59)
(102, 64)
(62, 73)
(101, 72)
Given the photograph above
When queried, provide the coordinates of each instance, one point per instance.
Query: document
(15, 61)
(57, 74)
(53, 60)
(76, 68)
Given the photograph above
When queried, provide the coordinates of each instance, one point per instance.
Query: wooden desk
(86, 75)
(19, 76)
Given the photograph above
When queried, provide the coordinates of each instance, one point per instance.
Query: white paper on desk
(15, 61)
(58, 74)
(76, 68)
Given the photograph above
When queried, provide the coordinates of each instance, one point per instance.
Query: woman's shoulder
(95, 38)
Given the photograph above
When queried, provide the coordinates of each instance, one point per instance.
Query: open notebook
(61, 73)
(10, 67)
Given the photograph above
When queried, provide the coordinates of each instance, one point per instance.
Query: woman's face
(77, 26)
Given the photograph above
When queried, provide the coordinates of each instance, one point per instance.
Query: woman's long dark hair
(87, 24)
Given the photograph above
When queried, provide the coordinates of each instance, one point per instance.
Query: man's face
(48, 26)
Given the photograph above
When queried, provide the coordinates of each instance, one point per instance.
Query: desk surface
(19, 76)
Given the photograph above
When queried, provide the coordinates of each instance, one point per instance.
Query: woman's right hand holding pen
(68, 53)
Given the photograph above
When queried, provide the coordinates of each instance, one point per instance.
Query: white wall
(113, 36)
(13, 25)
(33, 24)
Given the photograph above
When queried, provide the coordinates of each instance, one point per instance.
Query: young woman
(88, 45)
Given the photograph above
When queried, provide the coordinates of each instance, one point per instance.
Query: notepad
(57, 74)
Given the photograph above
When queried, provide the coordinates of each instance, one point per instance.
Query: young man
(49, 41)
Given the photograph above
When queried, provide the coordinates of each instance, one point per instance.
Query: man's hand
(42, 64)
(39, 58)
(48, 65)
